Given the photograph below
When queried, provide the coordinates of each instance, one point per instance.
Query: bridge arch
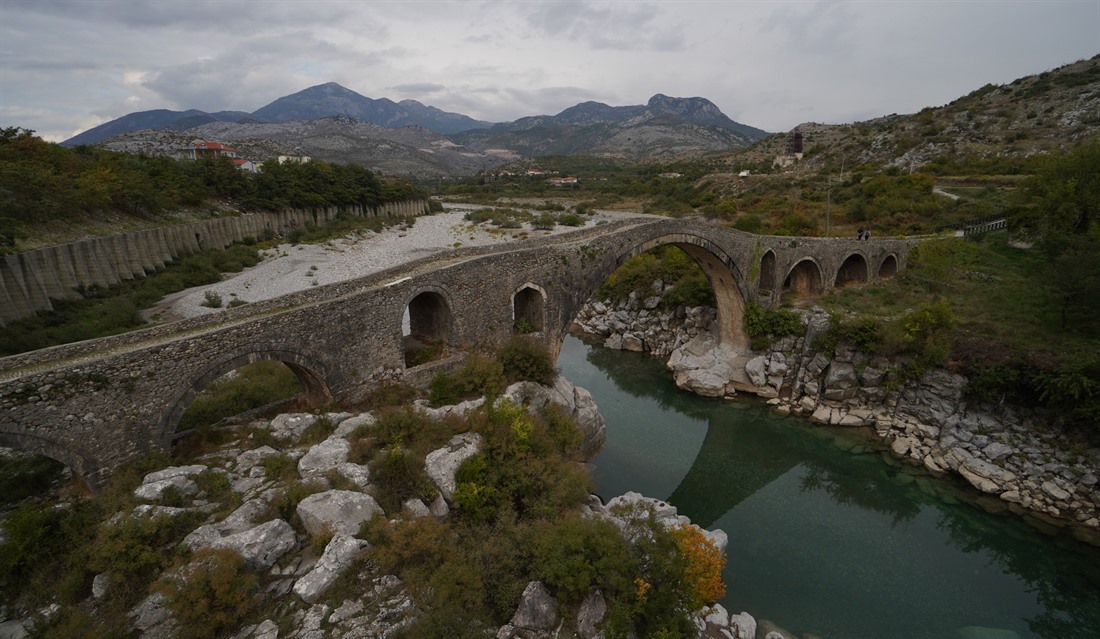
(529, 307)
(889, 267)
(430, 320)
(311, 375)
(84, 468)
(852, 271)
(804, 279)
(726, 280)
(766, 284)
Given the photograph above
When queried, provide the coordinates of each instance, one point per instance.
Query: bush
(398, 475)
(134, 549)
(525, 360)
(864, 333)
(212, 300)
(211, 595)
(479, 375)
(772, 322)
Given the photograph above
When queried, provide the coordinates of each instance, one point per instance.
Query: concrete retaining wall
(30, 280)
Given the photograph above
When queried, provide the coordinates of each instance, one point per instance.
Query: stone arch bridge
(97, 404)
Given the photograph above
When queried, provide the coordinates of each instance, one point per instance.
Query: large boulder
(704, 367)
(574, 401)
(323, 457)
(442, 464)
(536, 611)
(339, 553)
(238, 521)
(261, 546)
(336, 511)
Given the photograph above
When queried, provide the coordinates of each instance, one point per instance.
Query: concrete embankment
(30, 280)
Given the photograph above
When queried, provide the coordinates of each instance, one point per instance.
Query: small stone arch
(427, 321)
(311, 375)
(889, 267)
(767, 273)
(529, 308)
(804, 279)
(852, 271)
(86, 471)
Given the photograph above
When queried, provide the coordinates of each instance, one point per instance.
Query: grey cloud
(203, 15)
(418, 88)
(608, 26)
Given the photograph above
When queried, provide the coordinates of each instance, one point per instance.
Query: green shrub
(211, 595)
(574, 555)
(134, 549)
(212, 300)
(525, 360)
(44, 548)
(864, 333)
(772, 322)
(479, 375)
(317, 432)
(279, 467)
(24, 475)
(398, 475)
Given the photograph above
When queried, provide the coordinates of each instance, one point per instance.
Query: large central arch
(726, 281)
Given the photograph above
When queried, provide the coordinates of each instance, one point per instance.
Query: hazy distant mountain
(331, 99)
(321, 101)
(663, 126)
(409, 150)
(156, 119)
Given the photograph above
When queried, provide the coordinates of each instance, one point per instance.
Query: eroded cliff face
(1015, 455)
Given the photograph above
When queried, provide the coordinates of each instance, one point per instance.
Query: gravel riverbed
(290, 268)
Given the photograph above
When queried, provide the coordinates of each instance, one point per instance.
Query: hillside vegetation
(51, 194)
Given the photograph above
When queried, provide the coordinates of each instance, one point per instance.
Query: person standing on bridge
(867, 234)
(859, 233)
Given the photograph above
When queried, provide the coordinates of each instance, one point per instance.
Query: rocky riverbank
(1014, 455)
(292, 512)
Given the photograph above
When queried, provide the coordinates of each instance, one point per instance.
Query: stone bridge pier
(98, 404)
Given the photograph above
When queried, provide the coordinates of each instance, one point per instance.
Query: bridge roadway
(97, 404)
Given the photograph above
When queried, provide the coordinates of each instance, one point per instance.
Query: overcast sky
(69, 65)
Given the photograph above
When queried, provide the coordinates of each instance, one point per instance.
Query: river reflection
(826, 536)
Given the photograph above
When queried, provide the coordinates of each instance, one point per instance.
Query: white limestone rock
(323, 457)
(261, 546)
(154, 491)
(756, 369)
(590, 615)
(291, 425)
(442, 464)
(358, 474)
(537, 610)
(574, 401)
(340, 552)
(250, 459)
(336, 511)
(172, 472)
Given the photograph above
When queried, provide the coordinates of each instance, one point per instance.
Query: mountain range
(331, 122)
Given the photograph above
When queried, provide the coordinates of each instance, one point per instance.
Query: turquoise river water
(828, 536)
